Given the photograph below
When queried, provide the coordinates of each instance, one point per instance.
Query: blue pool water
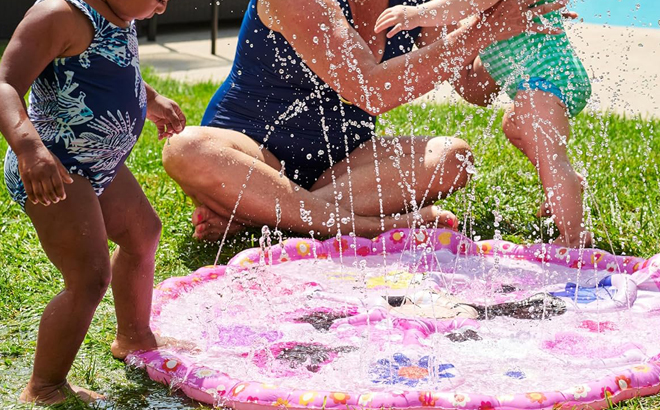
(632, 13)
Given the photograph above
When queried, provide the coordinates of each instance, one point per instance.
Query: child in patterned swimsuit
(548, 85)
(65, 166)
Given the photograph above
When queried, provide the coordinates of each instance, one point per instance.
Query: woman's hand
(165, 113)
(508, 18)
(43, 176)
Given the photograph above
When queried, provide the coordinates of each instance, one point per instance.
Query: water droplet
(388, 86)
(315, 40)
(309, 156)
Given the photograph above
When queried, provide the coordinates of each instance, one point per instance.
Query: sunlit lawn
(619, 156)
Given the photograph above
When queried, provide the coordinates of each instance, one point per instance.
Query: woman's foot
(431, 216)
(210, 226)
(49, 395)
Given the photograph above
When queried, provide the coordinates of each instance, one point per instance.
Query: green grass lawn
(619, 156)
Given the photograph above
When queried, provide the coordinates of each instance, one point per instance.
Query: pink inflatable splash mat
(409, 320)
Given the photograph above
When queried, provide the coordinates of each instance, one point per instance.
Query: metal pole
(215, 14)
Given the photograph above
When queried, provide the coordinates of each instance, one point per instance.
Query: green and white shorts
(533, 61)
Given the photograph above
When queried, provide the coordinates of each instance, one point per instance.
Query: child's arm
(435, 13)
(49, 30)
(165, 113)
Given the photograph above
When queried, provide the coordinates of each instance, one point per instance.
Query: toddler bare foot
(49, 395)
(582, 240)
(123, 346)
(210, 226)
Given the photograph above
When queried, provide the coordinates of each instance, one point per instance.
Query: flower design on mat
(203, 373)
(485, 248)
(171, 365)
(563, 254)
(339, 398)
(303, 248)
(641, 368)
(486, 405)
(536, 397)
(365, 399)
(623, 382)
(463, 247)
(340, 245)
(239, 388)
(612, 267)
(444, 238)
(402, 370)
(251, 399)
(282, 403)
(220, 390)
(580, 392)
(420, 237)
(606, 392)
(307, 398)
(459, 400)
(397, 236)
(597, 257)
(363, 251)
(428, 398)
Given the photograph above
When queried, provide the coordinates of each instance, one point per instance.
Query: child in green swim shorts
(546, 81)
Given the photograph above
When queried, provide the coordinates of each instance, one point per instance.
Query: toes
(199, 215)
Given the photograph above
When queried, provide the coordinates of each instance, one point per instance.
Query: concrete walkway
(624, 63)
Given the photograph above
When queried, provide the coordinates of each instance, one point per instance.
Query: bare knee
(89, 283)
(179, 151)
(513, 132)
(453, 158)
(141, 239)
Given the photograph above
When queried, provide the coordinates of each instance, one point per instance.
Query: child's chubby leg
(72, 233)
(538, 125)
(133, 225)
(475, 85)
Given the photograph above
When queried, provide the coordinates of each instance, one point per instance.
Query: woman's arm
(327, 43)
(49, 30)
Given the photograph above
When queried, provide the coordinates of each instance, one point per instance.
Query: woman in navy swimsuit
(288, 138)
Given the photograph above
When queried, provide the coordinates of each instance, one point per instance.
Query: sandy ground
(624, 64)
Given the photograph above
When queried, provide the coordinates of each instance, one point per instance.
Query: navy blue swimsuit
(273, 97)
(88, 109)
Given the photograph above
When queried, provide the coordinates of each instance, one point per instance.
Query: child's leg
(72, 234)
(133, 225)
(475, 85)
(539, 127)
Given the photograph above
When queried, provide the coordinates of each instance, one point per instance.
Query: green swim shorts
(533, 61)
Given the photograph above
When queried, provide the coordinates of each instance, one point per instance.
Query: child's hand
(167, 116)
(399, 17)
(43, 176)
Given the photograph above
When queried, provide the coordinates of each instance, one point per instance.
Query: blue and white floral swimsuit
(88, 109)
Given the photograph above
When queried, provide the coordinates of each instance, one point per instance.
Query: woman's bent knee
(179, 150)
(453, 156)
